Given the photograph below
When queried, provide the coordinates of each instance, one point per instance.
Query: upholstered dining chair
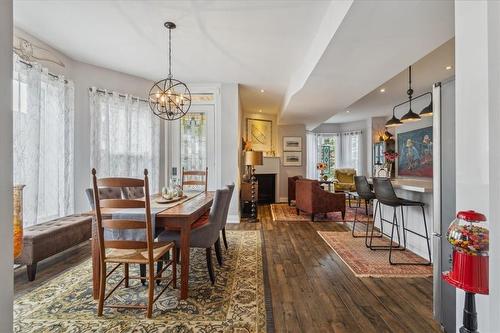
(195, 178)
(122, 250)
(206, 235)
(104, 193)
(132, 192)
(224, 220)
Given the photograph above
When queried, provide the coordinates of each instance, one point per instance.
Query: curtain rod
(119, 95)
(50, 74)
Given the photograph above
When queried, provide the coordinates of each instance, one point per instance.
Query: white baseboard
(233, 219)
(283, 199)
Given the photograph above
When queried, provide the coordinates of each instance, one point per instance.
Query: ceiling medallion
(169, 98)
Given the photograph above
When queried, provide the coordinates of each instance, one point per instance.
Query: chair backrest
(132, 192)
(230, 187)
(345, 175)
(195, 178)
(362, 187)
(210, 231)
(119, 224)
(384, 191)
(104, 193)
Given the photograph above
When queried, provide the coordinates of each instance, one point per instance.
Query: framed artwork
(292, 143)
(415, 153)
(260, 133)
(292, 158)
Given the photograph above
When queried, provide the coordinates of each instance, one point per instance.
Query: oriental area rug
(284, 213)
(364, 262)
(236, 303)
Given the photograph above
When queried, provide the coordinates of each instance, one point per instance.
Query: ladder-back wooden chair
(195, 178)
(125, 252)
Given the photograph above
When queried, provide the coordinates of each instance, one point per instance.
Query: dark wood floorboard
(312, 289)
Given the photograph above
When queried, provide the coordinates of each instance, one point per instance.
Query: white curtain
(312, 155)
(350, 154)
(125, 137)
(43, 113)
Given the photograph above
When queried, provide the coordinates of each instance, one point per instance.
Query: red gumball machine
(470, 269)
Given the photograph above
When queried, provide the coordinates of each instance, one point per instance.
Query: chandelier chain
(170, 53)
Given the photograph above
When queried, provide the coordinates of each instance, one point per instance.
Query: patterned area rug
(235, 304)
(285, 213)
(364, 262)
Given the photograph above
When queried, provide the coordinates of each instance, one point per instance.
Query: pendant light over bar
(410, 116)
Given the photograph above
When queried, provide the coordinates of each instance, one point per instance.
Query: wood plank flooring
(312, 289)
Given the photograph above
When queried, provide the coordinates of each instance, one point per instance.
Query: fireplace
(267, 188)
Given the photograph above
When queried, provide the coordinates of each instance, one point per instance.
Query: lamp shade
(410, 116)
(393, 122)
(253, 157)
(427, 111)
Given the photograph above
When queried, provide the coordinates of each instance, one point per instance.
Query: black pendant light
(410, 115)
(169, 98)
(427, 111)
(393, 122)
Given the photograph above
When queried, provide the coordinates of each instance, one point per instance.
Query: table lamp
(253, 158)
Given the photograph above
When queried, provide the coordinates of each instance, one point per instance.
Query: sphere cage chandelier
(169, 99)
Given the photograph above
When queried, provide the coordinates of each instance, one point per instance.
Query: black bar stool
(384, 193)
(363, 191)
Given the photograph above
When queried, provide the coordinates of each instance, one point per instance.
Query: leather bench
(44, 240)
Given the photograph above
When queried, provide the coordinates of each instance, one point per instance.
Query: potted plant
(390, 158)
(321, 166)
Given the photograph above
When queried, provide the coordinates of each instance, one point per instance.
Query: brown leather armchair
(312, 199)
(291, 188)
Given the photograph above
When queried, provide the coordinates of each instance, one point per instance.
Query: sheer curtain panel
(312, 156)
(350, 156)
(43, 113)
(125, 137)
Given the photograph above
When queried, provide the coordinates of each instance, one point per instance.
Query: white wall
(477, 40)
(6, 246)
(230, 144)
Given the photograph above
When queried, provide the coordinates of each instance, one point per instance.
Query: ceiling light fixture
(382, 90)
(169, 98)
(410, 115)
(262, 90)
(448, 68)
(347, 111)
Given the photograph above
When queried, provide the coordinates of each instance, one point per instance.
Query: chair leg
(394, 224)
(312, 217)
(427, 236)
(366, 207)
(102, 288)
(142, 270)
(224, 237)
(125, 271)
(210, 266)
(151, 289)
(343, 215)
(218, 253)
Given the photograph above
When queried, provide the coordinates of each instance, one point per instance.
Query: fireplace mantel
(271, 165)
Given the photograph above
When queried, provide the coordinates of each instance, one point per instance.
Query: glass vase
(17, 219)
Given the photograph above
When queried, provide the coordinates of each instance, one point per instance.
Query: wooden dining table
(179, 217)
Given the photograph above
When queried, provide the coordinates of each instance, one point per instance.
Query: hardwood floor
(312, 289)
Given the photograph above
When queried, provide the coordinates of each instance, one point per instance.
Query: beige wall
(285, 172)
(6, 247)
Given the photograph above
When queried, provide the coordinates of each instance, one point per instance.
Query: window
(327, 152)
(43, 142)
(125, 137)
(194, 141)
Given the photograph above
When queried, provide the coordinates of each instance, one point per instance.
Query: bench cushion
(43, 240)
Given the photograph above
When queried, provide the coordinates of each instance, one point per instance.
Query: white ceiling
(254, 43)
(425, 72)
(312, 58)
(376, 41)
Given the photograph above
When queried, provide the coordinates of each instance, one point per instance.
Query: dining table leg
(96, 265)
(184, 247)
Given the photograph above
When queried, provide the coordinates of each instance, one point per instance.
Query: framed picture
(292, 143)
(260, 133)
(292, 158)
(415, 153)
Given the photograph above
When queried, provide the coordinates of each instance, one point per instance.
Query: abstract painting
(260, 134)
(292, 158)
(292, 143)
(415, 153)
